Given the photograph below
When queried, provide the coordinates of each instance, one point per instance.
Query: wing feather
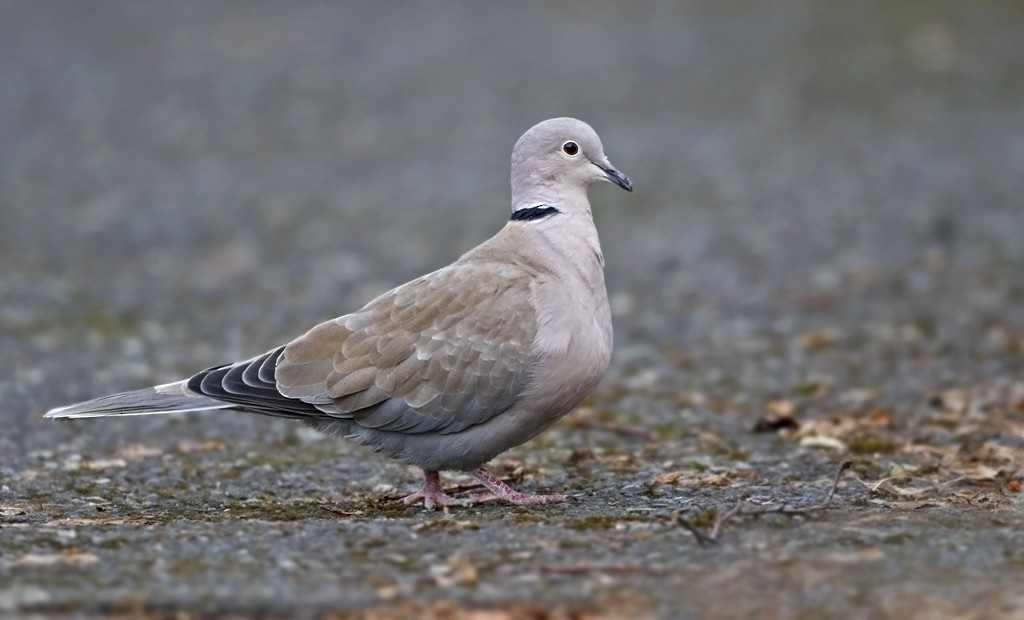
(439, 354)
(241, 385)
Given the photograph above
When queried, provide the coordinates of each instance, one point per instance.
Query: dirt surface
(822, 262)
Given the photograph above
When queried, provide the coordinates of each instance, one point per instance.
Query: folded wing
(439, 354)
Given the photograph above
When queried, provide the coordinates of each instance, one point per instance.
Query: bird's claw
(432, 500)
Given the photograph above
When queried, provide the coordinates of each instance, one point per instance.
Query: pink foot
(499, 490)
(433, 494)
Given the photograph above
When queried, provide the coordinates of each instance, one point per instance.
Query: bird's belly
(571, 362)
(567, 379)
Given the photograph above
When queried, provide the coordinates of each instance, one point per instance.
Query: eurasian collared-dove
(451, 369)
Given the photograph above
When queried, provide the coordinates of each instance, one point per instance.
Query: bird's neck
(570, 239)
(564, 197)
(568, 236)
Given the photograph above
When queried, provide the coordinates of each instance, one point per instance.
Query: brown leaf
(692, 478)
(458, 570)
(880, 418)
(72, 558)
(671, 477)
(186, 447)
(819, 338)
(103, 464)
(871, 554)
(780, 415)
(137, 451)
(952, 400)
(819, 441)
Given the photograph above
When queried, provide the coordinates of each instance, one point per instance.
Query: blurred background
(230, 173)
(828, 195)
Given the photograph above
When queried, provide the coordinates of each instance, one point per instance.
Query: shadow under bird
(457, 366)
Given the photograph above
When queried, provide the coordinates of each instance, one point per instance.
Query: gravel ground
(822, 262)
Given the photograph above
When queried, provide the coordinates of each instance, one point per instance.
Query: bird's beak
(613, 175)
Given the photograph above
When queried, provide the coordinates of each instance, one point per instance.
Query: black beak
(615, 176)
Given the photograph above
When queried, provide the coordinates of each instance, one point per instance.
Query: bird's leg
(433, 494)
(500, 490)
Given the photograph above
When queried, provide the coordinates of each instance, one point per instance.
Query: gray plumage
(451, 369)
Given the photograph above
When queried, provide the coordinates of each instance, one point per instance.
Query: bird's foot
(500, 490)
(433, 495)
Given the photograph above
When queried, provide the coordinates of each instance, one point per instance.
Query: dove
(455, 367)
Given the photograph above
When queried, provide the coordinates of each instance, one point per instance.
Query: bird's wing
(439, 354)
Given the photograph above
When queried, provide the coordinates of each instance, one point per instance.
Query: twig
(937, 487)
(616, 429)
(339, 511)
(738, 511)
(722, 518)
(702, 538)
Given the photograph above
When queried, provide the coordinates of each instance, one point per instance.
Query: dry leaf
(103, 464)
(457, 571)
(821, 441)
(210, 445)
(780, 415)
(879, 418)
(581, 415)
(819, 338)
(387, 592)
(671, 477)
(871, 554)
(781, 406)
(72, 558)
(136, 451)
(952, 400)
(692, 479)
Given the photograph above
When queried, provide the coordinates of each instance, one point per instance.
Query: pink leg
(433, 494)
(499, 490)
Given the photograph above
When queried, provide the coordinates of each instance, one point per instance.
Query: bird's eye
(571, 148)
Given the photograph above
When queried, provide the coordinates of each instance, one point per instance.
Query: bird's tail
(168, 398)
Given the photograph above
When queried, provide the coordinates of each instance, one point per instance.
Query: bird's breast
(573, 343)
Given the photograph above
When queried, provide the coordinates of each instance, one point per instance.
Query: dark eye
(571, 148)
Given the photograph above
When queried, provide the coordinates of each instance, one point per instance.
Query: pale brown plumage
(454, 346)
(453, 368)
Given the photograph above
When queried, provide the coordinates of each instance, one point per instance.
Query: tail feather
(168, 398)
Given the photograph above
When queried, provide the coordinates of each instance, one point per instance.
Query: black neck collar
(530, 214)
